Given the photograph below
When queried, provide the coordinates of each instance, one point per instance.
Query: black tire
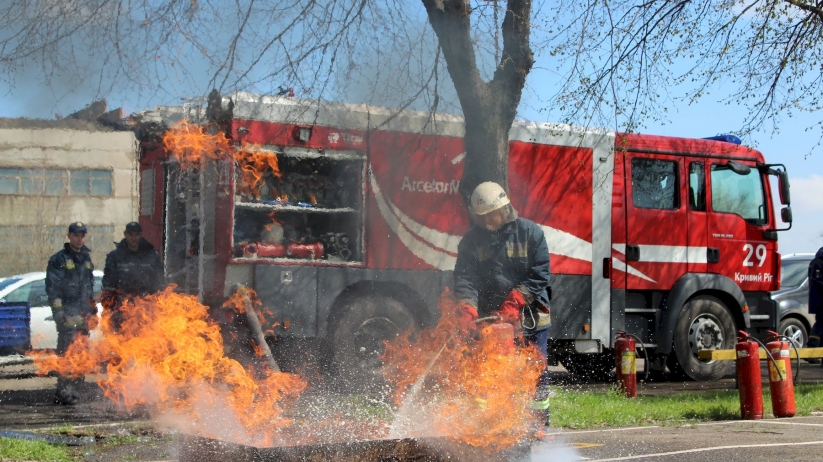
(589, 367)
(357, 340)
(704, 323)
(794, 329)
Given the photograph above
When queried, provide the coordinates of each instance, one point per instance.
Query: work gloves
(67, 322)
(510, 309)
(73, 322)
(63, 321)
(466, 315)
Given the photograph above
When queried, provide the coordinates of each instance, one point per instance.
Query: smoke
(213, 418)
(407, 71)
(554, 451)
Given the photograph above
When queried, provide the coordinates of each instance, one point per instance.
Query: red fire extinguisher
(749, 382)
(780, 377)
(626, 363)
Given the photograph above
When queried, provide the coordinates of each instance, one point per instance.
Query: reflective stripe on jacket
(70, 278)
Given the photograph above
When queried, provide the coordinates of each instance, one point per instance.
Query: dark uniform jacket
(70, 278)
(492, 263)
(133, 273)
(816, 283)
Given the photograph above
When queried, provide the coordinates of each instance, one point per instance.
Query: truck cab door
(697, 253)
(738, 217)
(656, 226)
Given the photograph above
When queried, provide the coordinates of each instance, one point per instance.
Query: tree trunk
(488, 107)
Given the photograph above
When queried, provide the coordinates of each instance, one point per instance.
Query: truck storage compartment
(311, 208)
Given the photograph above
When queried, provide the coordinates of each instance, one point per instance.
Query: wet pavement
(796, 439)
(26, 404)
(26, 401)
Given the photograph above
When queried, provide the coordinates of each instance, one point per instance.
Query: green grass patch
(17, 449)
(595, 409)
(120, 440)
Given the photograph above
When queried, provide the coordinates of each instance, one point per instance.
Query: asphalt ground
(26, 405)
(796, 439)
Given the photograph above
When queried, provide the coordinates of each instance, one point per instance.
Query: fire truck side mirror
(786, 214)
(783, 187)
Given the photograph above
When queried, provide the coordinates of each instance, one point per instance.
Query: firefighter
(133, 269)
(502, 269)
(816, 299)
(70, 289)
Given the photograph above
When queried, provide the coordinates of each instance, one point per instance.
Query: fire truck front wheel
(704, 323)
(357, 341)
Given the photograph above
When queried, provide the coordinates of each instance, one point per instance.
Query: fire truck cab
(673, 240)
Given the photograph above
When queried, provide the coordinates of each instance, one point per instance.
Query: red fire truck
(671, 239)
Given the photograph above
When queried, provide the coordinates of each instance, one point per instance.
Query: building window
(52, 182)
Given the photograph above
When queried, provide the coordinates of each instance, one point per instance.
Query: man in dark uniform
(133, 269)
(816, 299)
(69, 286)
(502, 268)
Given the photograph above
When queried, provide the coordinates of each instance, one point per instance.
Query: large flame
(190, 144)
(168, 359)
(476, 387)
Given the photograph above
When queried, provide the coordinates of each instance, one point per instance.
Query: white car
(31, 287)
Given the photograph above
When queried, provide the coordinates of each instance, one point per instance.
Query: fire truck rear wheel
(704, 323)
(357, 342)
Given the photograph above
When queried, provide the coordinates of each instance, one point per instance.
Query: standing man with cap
(69, 286)
(502, 269)
(133, 269)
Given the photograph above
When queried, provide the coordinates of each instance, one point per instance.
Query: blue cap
(78, 227)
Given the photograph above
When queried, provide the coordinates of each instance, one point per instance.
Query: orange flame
(169, 359)
(481, 388)
(191, 143)
(252, 166)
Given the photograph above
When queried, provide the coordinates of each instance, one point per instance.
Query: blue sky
(793, 145)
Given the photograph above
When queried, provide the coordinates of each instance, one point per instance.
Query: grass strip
(18, 449)
(597, 409)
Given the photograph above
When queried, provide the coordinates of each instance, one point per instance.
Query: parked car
(793, 298)
(31, 287)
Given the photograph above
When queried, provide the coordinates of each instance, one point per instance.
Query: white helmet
(487, 197)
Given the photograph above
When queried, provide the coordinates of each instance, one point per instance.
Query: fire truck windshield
(739, 194)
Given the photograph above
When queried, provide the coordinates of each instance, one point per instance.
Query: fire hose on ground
(256, 329)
